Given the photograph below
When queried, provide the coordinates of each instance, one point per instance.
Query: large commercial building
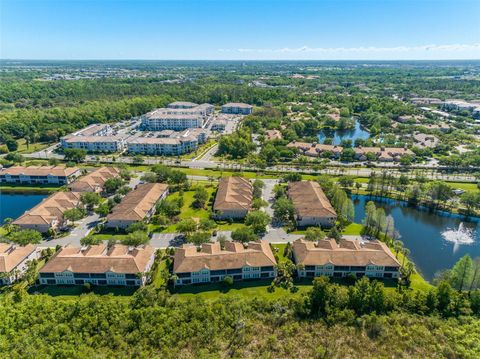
(360, 258)
(13, 261)
(237, 108)
(118, 265)
(49, 213)
(312, 207)
(137, 205)
(94, 143)
(212, 264)
(94, 181)
(233, 199)
(55, 175)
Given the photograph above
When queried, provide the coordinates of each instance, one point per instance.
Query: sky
(240, 29)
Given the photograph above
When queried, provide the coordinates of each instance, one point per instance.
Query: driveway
(82, 229)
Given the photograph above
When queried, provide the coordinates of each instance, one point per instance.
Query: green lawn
(33, 147)
(41, 188)
(353, 229)
(472, 187)
(246, 289)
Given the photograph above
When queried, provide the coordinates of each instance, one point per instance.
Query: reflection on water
(338, 136)
(423, 232)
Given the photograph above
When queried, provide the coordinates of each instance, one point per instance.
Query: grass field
(33, 147)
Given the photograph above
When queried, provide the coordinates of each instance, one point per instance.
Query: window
(265, 275)
(131, 276)
(47, 275)
(342, 268)
(310, 274)
(309, 267)
(234, 271)
(391, 269)
(267, 269)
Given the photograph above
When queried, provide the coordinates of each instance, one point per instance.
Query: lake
(432, 237)
(338, 136)
(13, 205)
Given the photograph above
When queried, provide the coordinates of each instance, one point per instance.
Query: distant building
(137, 205)
(182, 104)
(94, 181)
(162, 146)
(212, 264)
(233, 199)
(271, 135)
(316, 149)
(177, 116)
(118, 265)
(218, 125)
(327, 258)
(49, 213)
(56, 175)
(157, 121)
(237, 108)
(423, 140)
(383, 154)
(94, 143)
(94, 130)
(312, 207)
(13, 261)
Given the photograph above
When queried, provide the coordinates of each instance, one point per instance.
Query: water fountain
(459, 236)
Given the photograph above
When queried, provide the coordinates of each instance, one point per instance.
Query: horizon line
(139, 59)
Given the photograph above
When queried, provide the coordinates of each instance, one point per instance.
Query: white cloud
(363, 52)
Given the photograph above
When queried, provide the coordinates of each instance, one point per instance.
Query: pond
(13, 205)
(338, 136)
(436, 240)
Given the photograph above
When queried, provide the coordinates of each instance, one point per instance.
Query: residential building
(219, 125)
(383, 154)
(56, 175)
(94, 130)
(94, 181)
(360, 258)
(233, 199)
(237, 108)
(423, 140)
(49, 213)
(13, 261)
(117, 265)
(316, 149)
(162, 146)
(137, 205)
(271, 135)
(312, 207)
(212, 264)
(94, 143)
(157, 121)
(182, 104)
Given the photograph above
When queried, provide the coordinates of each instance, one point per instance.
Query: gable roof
(346, 253)
(212, 257)
(11, 256)
(94, 179)
(136, 204)
(233, 193)
(58, 171)
(309, 199)
(100, 259)
(50, 209)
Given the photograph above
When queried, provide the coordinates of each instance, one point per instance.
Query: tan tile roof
(309, 199)
(346, 253)
(51, 208)
(91, 130)
(257, 254)
(382, 151)
(136, 204)
(11, 256)
(94, 179)
(183, 103)
(273, 135)
(162, 140)
(59, 171)
(314, 149)
(100, 259)
(233, 193)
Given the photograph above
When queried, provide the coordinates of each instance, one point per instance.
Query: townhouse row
(120, 265)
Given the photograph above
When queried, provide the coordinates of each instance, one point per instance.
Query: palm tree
(405, 252)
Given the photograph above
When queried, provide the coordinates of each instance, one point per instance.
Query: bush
(228, 280)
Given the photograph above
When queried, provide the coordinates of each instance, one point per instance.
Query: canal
(436, 240)
(13, 205)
